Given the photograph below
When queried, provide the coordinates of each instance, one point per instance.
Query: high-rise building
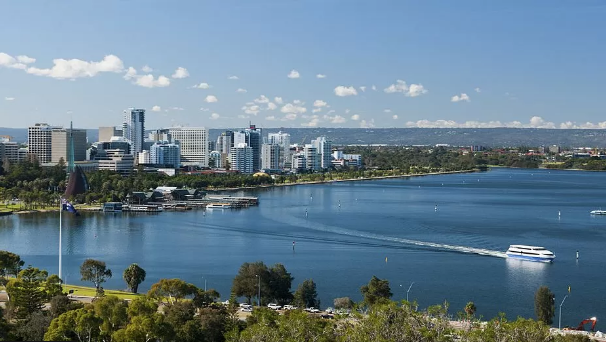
(324, 149)
(299, 163)
(39, 141)
(144, 158)
(9, 150)
(165, 153)
(193, 142)
(241, 158)
(116, 160)
(161, 135)
(106, 133)
(282, 139)
(254, 141)
(133, 128)
(224, 144)
(216, 158)
(60, 144)
(312, 158)
(270, 156)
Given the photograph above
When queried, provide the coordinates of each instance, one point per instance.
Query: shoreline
(89, 208)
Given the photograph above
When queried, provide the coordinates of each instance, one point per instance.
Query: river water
(445, 233)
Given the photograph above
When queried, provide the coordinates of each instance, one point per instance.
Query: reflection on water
(524, 277)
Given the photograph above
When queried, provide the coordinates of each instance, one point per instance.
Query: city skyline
(330, 64)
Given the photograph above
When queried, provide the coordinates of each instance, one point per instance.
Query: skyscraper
(60, 144)
(270, 156)
(193, 142)
(254, 141)
(133, 128)
(324, 149)
(165, 153)
(241, 158)
(39, 141)
(283, 140)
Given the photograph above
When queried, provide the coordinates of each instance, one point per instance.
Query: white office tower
(165, 153)
(194, 145)
(312, 158)
(40, 142)
(270, 156)
(144, 158)
(241, 158)
(324, 149)
(283, 140)
(160, 135)
(9, 151)
(60, 144)
(299, 162)
(239, 138)
(133, 128)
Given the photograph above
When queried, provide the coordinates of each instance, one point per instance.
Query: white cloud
(271, 106)
(251, 109)
(367, 124)
(345, 91)
(278, 100)
(156, 109)
(233, 78)
(270, 118)
(535, 122)
(202, 85)
(177, 108)
(214, 116)
(76, 68)
(147, 68)
(290, 108)
(355, 117)
(400, 86)
(211, 99)
(290, 117)
(316, 110)
(241, 90)
(478, 90)
(312, 123)
(298, 102)
(387, 111)
(205, 109)
(330, 112)
(149, 81)
(293, 74)
(347, 111)
(459, 98)
(395, 117)
(338, 119)
(181, 73)
(320, 103)
(130, 73)
(363, 88)
(20, 62)
(9, 99)
(320, 76)
(25, 59)
(262, 99)
(374, 87)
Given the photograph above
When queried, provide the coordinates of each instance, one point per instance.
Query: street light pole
(560, 319)
(411, 284)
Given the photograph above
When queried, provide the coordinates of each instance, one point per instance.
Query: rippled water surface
(354, 230)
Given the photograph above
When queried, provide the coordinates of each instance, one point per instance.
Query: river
(445, 233)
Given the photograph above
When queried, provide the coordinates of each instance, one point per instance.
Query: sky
(304, 63)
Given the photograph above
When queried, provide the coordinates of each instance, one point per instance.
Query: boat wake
(295, 221)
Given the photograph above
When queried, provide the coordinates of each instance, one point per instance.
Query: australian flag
(66, 206)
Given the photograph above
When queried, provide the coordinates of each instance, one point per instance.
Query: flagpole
(60, 249)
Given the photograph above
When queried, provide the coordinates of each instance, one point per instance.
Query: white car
(312, 310)
(290, 307)
(274, 306)
(329, 310)
(247, 309)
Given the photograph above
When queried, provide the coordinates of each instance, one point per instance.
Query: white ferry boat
(530, 253)
(598, 212)
(218, 206)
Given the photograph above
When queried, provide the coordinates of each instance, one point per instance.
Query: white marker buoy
(577, 255)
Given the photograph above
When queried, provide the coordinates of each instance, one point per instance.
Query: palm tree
(133, 276)
(470, 309)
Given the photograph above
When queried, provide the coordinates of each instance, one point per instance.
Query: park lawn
(86, 291)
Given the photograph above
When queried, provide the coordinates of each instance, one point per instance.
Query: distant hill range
(489, 137)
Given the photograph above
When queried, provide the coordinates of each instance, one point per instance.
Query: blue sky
(481, 63)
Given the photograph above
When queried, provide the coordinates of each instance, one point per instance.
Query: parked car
(274, 306)
(327, 316)
(330, 310)
(312, 310)
(290, 307)
(247, 309)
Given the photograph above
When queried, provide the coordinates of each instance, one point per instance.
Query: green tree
(26, 292)
(246, 282)
(280, 282)
(10, 264)
(96, 272)
(377, 291)
(81, 325)
(113, 313)
(306, 294)
(205, 298)
(172, 289)
(60, 304)
(470, 309)
(133, 276)
(544, 305)
(343, 303)
(34, 328)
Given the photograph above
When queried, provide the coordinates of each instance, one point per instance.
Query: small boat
(530, 253)
(598, 212)
(112, 207)
(218, 206)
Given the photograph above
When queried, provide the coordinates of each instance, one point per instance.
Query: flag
(568, 288)
(66, 206)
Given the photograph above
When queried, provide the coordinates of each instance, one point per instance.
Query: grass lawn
(90, 292)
